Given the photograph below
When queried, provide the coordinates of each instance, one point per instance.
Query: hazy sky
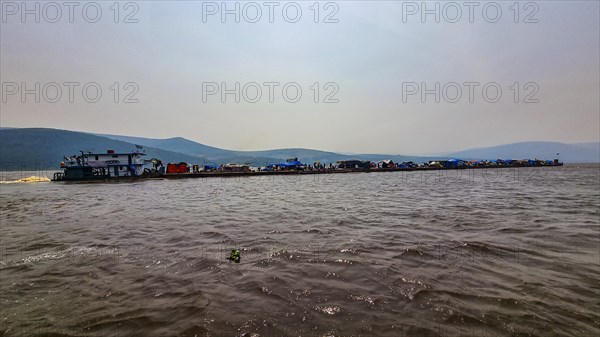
(378, 55)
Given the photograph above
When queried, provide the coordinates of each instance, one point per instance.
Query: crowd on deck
(293, 164)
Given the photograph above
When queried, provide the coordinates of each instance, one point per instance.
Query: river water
(512, 252)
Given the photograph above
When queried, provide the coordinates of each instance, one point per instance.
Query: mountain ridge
(261, 157)
(44, 147)
(571, 153)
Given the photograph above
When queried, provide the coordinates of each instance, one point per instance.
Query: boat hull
(62, 177)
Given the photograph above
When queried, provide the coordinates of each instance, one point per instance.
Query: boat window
(115, 156)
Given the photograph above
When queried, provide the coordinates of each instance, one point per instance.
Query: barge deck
(221, 174)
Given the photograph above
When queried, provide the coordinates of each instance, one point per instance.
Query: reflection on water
(449, 253)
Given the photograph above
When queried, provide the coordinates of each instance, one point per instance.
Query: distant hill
(569, 153)
(218, 155)
(257, 158)
(176, 144)
(41, 148)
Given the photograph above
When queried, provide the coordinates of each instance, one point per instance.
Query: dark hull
(284, 173)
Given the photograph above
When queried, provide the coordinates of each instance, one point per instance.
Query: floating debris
(329, 309)
(234, 256)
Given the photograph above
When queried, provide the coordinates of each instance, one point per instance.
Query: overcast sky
(374, 55)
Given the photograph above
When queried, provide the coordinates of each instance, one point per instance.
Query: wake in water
(31, 179)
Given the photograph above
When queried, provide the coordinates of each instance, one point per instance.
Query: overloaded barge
(130, 166)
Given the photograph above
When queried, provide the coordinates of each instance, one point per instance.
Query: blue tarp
(290, 164)
(453, 162)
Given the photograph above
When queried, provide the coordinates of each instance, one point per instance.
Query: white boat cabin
(109, 164)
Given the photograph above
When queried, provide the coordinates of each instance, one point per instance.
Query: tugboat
(109, 165)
